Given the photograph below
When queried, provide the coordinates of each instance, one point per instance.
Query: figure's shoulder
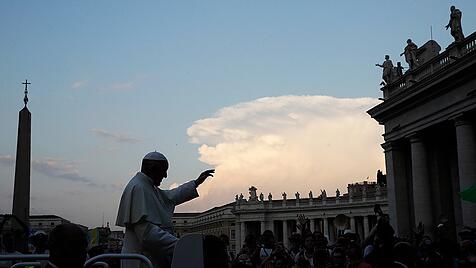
(137, 182)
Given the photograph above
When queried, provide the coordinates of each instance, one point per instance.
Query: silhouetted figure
(7, 247)
(410, 54)
(305, 258)
(39, 240)
(399, 69)
(268, 247)
(146, 211)
(226, 240)
(249, 253)
(387, 66)
(214, 252)
(381, 179)
(68, 246)
(404, 256)
(455, 24)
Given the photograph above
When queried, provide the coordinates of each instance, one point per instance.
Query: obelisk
(21, 190)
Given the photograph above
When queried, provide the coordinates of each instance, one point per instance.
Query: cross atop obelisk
(25, 99)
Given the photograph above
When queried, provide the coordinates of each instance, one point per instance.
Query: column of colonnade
(422, 200)
(466, 148)
(397, 188)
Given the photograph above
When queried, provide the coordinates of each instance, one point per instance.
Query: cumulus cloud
(287, 143)
(117, 137)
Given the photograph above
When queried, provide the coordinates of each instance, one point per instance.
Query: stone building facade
(329, 215)
(430, 140)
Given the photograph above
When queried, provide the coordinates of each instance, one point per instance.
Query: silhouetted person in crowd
(305, 258)
(338, 258)
(8, 248)
(226, 241)
(381, 239)
(427, 254)
(295, 245)
(404, 255)
(214, 252)
(68, 246)
(39, 240)
(268, 246)
(249, 253)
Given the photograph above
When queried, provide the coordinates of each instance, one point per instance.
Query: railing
(101, 257)
(454, 52)
(316, 202)
(95, 261)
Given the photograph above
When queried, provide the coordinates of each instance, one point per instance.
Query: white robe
(146, 212)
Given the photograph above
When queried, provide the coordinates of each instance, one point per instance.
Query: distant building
(44, 223)
(429, 116)
(329, 215)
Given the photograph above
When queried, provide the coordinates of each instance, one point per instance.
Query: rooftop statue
(241, 197)
(387, 66)
(399, 69)
(455, 24)
(270, 197)
(284, 196)
(253, 196)
(261, 197)
(297, 195)
(337, 193)
(310, 194)
(323, 194)
(410, 53)
(236, 198)
(350, 192)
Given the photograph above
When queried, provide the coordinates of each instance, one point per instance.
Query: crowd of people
(67, 247)
(381, 249)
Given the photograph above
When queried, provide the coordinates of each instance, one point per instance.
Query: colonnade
(407, 210)
(325, 225)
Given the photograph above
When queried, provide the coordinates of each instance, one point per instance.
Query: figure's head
(399, 64)
(39, 240)
(68, 246)
(268, 239)
(155, 165)
(452, 8)
(250, 242)
(308, 242)
(409, 41)
(387, 57)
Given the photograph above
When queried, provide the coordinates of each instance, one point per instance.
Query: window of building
(184, 221)
(52, 224)
(174, 221)
(40, 223)
(232, 234)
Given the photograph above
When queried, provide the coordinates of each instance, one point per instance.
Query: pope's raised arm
(146, 210)
(188, 190)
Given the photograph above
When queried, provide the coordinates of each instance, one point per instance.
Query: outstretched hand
(203, 176)
(302, 222)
